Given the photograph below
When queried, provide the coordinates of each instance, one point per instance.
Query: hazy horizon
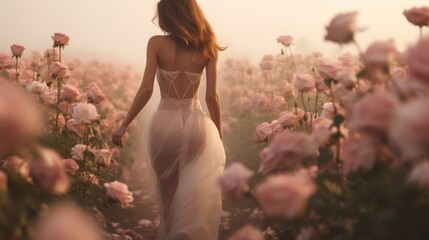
(249, 28)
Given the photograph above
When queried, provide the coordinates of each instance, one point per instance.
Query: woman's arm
(143, 94)
(212, 97)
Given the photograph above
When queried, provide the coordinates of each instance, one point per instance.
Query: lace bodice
(169, 91)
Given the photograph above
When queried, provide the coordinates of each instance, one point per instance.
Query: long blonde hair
(185, 22)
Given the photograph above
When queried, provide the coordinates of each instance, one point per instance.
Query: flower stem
(16, 69)
(293, 58)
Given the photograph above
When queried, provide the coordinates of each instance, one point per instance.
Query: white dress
(187, 156)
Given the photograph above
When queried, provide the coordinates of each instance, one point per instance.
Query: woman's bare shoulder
(159, 39)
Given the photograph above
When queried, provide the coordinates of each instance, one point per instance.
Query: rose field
(318, 147)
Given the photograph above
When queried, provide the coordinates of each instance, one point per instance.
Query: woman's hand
(117, 136)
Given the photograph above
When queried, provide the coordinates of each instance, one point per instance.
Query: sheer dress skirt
(186, 156)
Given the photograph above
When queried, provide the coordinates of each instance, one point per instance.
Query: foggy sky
(121, 28)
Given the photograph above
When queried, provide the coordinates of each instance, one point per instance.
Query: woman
(184, 145)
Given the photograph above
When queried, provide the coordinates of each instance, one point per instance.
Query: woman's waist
(187, 104)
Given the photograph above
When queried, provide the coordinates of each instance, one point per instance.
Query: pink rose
(247, 232)
(419, 175)
(267, 65)
(15, 164)
(374, 112)
(103, 157)
(263, 132)
(3, 181)
(234, 181)
(347, 78)
(418, 16)
(358, 152)
(119, 191)
(328, 70)
(60, 70)
(61, 121)
(342, 28)
(308, 233)
(285, 40)
(5, 61)
(287, 150)
(71, 166)
(304, 82)
(95, 94)
(322, 131)
(50, 98)
(60, 40)
(47, 167)
(380, 54)
(284, 196)
(37, 87)
(78, 151)
(17, 50)
(418, 60)
(288, 119)
(410, 129)
(75, 126)
(20, 119)
(85, 112)
(328, 110)
(66, 107)
(70, 92)
(66, 221)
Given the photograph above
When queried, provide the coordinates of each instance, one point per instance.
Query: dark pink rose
(342, 28)
(418, 16)
(60, 39)
(17, 50)
(234, 181)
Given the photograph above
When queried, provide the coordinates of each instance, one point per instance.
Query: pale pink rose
(3, 181)
(304, 82)
(75, 126)
(276, 127)
(258, 98)
(380, 54)
(89, 178)
(347, 78)
(234, 181)
(275, 103)
(266, 65)
(119, 192)
(288, 119)
(60, 70)
(284, 196)
(418, 60)
(287, 150)
(244, 104)
(47, 167)
(71, 166)
(410, 129)
(342, 28)
(17, 50)
(50, 98)
(329, 70)
(309, 174)
(78, 151)
(418, 16)
(419, 175)
(95, 94)
(286, 88)
(37, 87)
(285, 40)
(15, 164)
(5, 61)
(358, 152)
(247, 232)
(374, 112)
(70, 92)
(85, 112)
(66, 221)
(322, 131)
(60, 40)
(20, 118)
(398, 73)
(103, 157)
(308, 233)
(268, 57)
(328, 110)
(263, 132)
(61, 121)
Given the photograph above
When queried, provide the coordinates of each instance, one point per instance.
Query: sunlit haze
(113, 28)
